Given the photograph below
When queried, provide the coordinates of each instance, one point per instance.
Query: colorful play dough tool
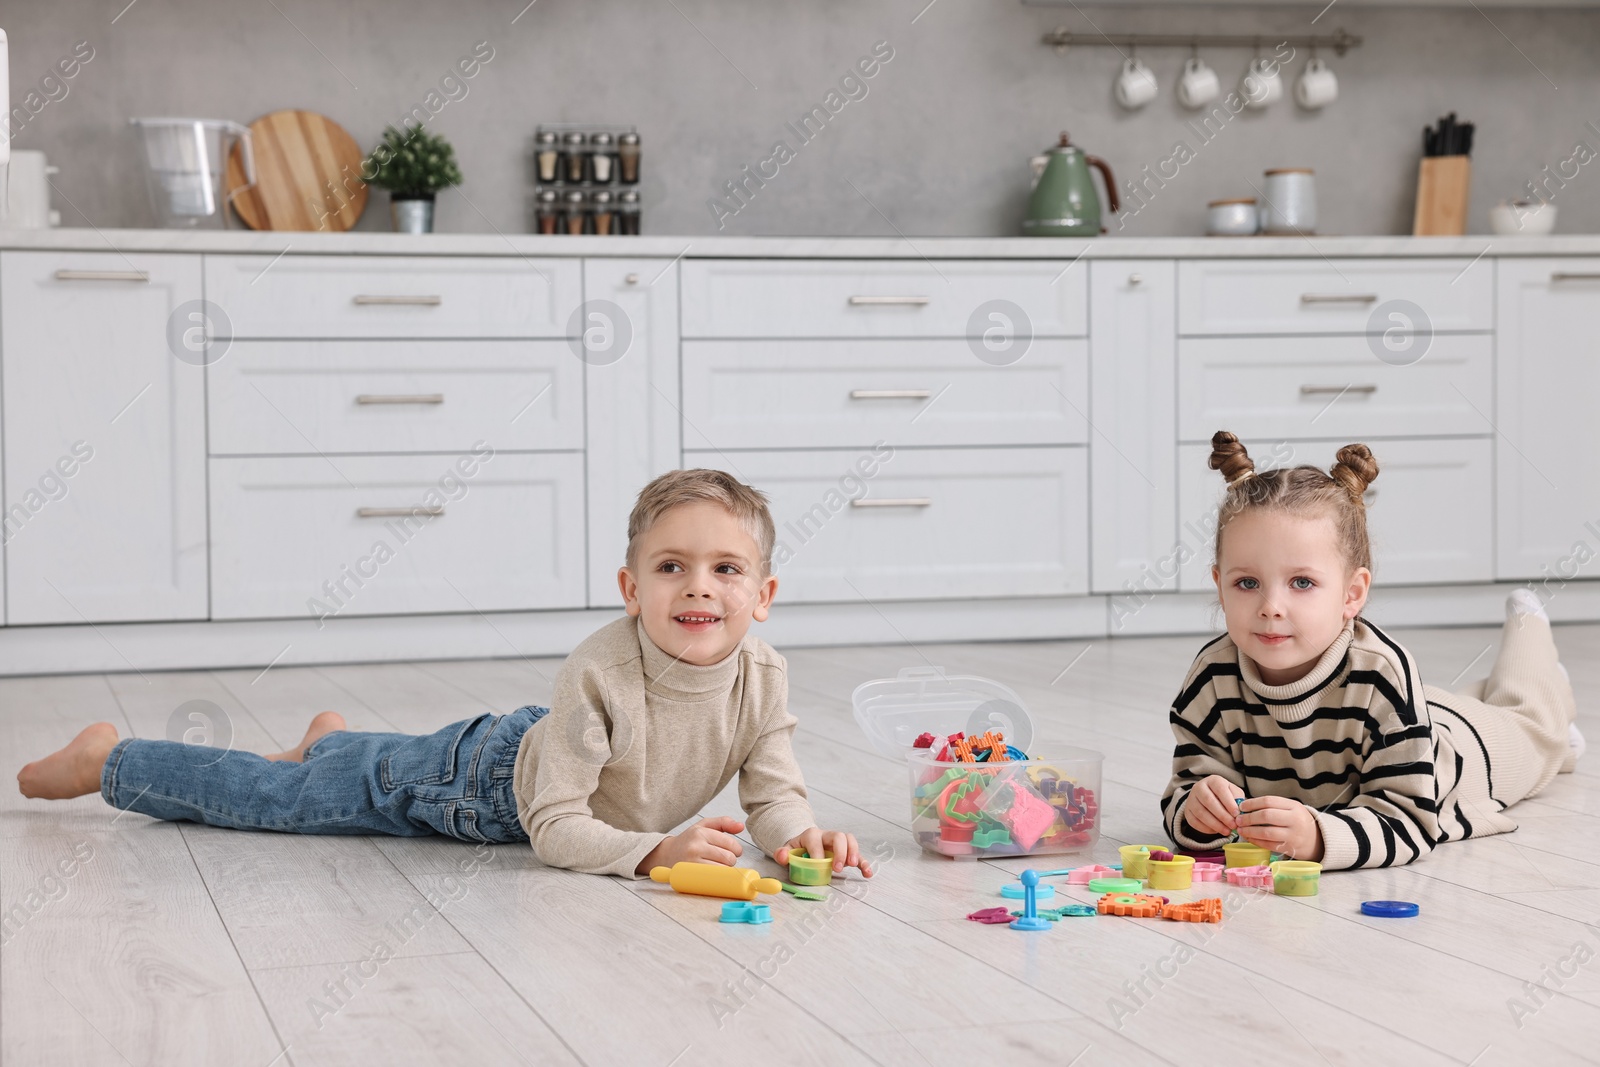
(1389, 909)
(1251, 877)
(1017, 891)
(1115, 885)
(1296, 878)
(1134, 857)
(801, 892)
(738, 911)
(1207, 872)
(1030, 919)
(1244, 854)
(1175, 873)
(715, 880)
(1085, 875)
(803, 870)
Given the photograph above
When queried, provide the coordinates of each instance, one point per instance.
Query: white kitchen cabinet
(1132, 311)
(392, 296)
(852, 393)
(1548, 380)
(105, 454)
(1323, 296)
(314, 536)
(1314, 387)
(1430, 512)
(861, 298)
(287, 397)
(634, 419)
(923, 524)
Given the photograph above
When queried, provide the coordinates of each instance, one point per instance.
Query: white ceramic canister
(28, 200)
(1291, 201)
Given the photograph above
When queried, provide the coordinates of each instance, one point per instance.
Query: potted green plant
(412, 165)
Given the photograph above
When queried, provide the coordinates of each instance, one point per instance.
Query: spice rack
(586, 179)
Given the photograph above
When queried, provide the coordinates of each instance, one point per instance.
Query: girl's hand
(707, 841)
(1210, 808)
(817, 843)
(1283, 825)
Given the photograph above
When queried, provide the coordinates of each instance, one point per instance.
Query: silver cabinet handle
(400, 301)
(1338, 298)
(1575, 276)
(397, 513)
(890, 394)
(888, 301)
(400, 398)
(1308, 390)
(102, 275)
(894, 502)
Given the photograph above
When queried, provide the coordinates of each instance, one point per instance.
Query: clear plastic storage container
(1048, 804)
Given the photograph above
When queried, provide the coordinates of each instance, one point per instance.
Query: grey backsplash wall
(937, 146)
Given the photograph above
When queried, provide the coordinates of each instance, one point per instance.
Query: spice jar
(575, 215)
(547, 210)
(628, 158)
(601, 212)
(547, 157)
(602, 158)
(572, 157)
(628, 212)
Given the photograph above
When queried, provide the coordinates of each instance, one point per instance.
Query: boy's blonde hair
(1303, 491)
(703, 486)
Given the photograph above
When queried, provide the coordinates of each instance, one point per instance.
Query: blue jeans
(456, 782)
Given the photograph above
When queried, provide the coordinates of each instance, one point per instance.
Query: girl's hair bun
(1228, 455)
(1354, 470)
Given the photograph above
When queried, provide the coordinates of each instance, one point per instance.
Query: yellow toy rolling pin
(715, 880)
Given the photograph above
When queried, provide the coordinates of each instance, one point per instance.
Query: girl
(1320, 718)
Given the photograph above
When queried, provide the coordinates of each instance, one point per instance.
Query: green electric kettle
(1064, 203)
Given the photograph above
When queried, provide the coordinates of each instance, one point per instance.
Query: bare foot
(72, 772)
(327, 723)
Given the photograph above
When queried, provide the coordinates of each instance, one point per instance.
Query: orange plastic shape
(1208, 910)
(1132, 905)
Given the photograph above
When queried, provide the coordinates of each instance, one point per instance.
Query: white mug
(1198, 85)
(1316, 87)
(1262, 85)
(1136, 85)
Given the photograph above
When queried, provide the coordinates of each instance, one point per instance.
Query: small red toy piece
(991, 916)
(1208, 910)
(923, 741)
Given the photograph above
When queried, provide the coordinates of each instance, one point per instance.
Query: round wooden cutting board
(308, 174)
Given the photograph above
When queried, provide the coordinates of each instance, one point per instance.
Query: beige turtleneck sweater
(637, 742)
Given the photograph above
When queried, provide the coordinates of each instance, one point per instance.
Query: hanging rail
(1339, 42)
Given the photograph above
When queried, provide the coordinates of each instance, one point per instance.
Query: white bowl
(1522, 218)
(1232, 218)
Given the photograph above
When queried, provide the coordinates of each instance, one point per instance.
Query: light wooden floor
(173, 944)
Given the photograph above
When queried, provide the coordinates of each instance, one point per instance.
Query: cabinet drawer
(1295, 296)
(925, 524)
(381, 296)
(827, 394)
(1332, 387)
(1430, 512)
(286, 397)
(850, 298)
(353, 535)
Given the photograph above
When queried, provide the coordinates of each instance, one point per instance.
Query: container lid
(892, 712)
(602, 138)
(1389, 909)
(629, 138)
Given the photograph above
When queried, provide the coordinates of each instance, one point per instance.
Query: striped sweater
(1355, 740)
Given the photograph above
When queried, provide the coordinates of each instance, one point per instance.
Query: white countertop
(1107, 247)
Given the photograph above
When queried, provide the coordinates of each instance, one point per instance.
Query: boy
(653, 714)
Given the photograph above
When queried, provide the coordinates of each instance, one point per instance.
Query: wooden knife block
(1444, 184)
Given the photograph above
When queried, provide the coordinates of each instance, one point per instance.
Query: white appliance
(5, 116)
(27, 205)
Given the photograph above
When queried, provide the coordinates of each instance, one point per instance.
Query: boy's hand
(846, 852)
(1283, 825)
(707, 841)
(1210, 808)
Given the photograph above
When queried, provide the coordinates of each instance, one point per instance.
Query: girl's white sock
(1524, 602)
(1575, 739)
